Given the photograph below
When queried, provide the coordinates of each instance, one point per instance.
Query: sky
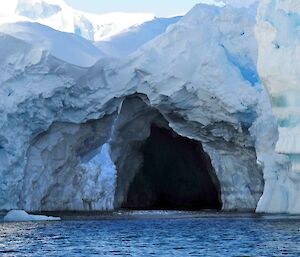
(158, 7)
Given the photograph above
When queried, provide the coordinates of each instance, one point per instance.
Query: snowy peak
(39, 9)
(34, 9)
(58, 15)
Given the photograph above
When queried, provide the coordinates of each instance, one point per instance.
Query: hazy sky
(158, 7)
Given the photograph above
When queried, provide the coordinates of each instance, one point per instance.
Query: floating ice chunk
(20, 215)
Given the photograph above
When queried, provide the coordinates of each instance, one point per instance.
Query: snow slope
(133, 38)
(58, 15)
(65, 46)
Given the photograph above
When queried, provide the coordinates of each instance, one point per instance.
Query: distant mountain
(133, 38)
(58, 15)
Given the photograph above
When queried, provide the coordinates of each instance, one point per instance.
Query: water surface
(154, 234)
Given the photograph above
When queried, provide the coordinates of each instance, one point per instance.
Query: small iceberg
(20, 215)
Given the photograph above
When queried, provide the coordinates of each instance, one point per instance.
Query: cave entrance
(176, 175)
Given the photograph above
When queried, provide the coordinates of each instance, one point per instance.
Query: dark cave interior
(176, 175)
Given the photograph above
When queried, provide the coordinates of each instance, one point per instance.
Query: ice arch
(235, 181)
(158, 168)
(98, 165)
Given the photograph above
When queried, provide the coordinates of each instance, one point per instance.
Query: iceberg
(22, 216)
(81, 138)
(77, 134)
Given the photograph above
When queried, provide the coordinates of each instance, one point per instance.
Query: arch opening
(176, 174)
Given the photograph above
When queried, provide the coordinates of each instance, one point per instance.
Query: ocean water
(154, 234)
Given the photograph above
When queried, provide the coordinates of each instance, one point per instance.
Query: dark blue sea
(154, 234)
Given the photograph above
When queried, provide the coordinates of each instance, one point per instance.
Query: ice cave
(133, 159)
(176, 174)
(170, 171)
(90, 137)
(165, 133)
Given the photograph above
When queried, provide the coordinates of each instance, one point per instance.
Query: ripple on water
(183, 235)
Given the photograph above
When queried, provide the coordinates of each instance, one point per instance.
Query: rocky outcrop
(71, 138)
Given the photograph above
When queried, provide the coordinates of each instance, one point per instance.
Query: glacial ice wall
(278, 35)
(70, 137)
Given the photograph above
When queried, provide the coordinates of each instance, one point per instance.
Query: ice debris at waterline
(20, 216)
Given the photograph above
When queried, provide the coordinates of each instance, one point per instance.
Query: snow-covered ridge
(58, 15)
(239, 3)
(134, 37)
(64, 46)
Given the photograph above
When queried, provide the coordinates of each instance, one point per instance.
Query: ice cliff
(278, 35)
(74, 138)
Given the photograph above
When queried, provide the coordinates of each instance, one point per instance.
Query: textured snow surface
(278, 35)
(65, 46)
(58, 15)
(20, 216)
(134, 37)
(238, 3)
